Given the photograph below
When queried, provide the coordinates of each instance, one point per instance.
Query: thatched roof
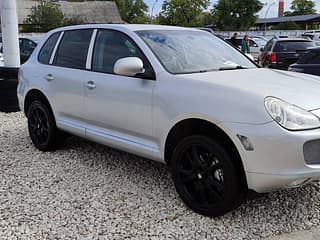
(87, 12)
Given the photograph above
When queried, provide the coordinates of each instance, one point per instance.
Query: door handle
(90, 85)
(49, 77)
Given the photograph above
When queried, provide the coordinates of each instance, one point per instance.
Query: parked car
(309, 63)
(313, 36)
(280, 53)
(26, 45)
(181, 97)
(212, 32)
(255, 45)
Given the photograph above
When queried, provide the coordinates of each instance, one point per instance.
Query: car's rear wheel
(42, 128)
(205, 176)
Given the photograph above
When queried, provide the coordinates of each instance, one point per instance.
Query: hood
(296, 88)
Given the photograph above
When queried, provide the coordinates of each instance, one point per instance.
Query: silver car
(181, 97)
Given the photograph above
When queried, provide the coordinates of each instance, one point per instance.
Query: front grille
(311, 152)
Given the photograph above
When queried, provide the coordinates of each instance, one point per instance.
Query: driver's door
(118, 108)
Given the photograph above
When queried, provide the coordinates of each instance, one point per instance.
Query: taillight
(273, 57)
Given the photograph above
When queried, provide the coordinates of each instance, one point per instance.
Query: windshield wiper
(232, 68)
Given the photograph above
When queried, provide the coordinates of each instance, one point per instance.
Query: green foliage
(133, 11)
(182, 12)
(44, 17)
(205, 19)
(288, 26)
(236, 14)
(301, 7)
(72, 21)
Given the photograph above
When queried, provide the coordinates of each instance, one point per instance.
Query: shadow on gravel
(126, 196)
(259, 217)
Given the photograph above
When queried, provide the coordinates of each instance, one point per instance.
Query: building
(86, 12)
(308, 21)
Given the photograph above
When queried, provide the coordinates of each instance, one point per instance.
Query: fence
(290, 33)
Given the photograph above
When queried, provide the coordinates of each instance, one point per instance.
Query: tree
(301, 7)
(182, 12)
(133, 11)
(44, 17)
(235, 14)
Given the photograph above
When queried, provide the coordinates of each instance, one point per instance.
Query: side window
(29, 45)
(110, 46)
(306, 58)
(73, 49)
(269, 45)
(315, 59)
(46, 50)
(252, 43)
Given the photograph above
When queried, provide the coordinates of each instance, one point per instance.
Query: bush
(44, 17)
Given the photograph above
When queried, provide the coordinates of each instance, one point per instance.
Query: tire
(42, 127)
(205, 176)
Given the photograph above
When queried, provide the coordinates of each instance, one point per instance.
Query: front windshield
(188, 51)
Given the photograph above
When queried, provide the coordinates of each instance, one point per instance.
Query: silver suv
(179, 96)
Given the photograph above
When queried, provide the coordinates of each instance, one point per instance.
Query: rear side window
(312, 58)
(252, 43)
(304, 59)
(73, 49)
(269, 45)
(46, 51)
(292, 46)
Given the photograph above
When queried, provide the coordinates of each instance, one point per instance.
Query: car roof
(292, 40)
(131, 27)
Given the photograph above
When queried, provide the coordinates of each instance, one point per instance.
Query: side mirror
(262, 49)
(130, 66)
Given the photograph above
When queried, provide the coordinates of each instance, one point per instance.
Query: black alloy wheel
(205, 177)
(42, 128)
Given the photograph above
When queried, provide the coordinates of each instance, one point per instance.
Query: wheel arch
(35, 94)
(197, 126)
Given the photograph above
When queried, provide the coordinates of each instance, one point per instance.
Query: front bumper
(278, 158)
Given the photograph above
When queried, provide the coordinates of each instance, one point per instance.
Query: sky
(273, 11)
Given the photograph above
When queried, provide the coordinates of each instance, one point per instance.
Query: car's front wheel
(42, 128)
(205, 176)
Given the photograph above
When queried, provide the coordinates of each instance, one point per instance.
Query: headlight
(290, 116)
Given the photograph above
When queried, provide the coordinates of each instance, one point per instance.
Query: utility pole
(10, 37)
(11, 54)
(151, 15)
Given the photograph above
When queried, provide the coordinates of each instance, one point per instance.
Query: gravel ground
(88, 191)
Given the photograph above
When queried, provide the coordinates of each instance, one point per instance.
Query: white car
(181, 97)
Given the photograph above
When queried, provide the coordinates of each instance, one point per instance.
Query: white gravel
(88, 191)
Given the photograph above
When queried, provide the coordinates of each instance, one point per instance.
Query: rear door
(263, 58)
(65, 77)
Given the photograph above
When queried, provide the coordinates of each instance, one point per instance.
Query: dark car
(309, 63)
(26, 46)
(282, 52)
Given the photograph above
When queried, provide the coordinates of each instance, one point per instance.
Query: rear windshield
(292, 46)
